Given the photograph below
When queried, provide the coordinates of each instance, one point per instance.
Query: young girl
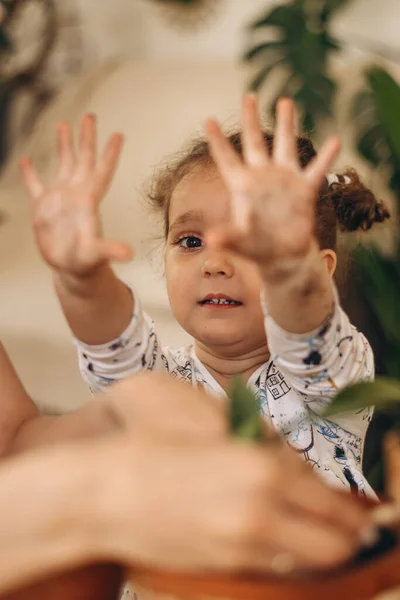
(245, 216)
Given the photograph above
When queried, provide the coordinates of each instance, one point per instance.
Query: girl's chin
(221, 337)
(235, 336)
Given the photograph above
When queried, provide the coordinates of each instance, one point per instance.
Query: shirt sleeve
(136, 349)
(320, 363)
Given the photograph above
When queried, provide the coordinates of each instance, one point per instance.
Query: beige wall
(135, 28)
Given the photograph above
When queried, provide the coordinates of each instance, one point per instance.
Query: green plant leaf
(372, 145)
(287, 16)
(381, 286)
(372, 142)
(288, 89)
(333, 5)
(324, 86)
(378, 279)
(387, 95)
(262, 49)
(394, 181)
(376, 475)
(332, 44)
(390, 359)
(5, 43)
(262, 75)
(302, 45)
(380, 393)
(245, 419)
(330, 6)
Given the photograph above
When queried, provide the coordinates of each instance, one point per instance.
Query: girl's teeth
(219, 301)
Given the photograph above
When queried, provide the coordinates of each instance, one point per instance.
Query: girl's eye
(188, 242)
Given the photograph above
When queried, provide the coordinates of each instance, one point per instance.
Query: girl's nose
(217, 264)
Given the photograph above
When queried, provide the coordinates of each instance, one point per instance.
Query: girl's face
(214, 295)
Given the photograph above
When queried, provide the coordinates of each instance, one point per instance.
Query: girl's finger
(255, 152)
(110, 250)
(87, 147)
(285, 142)
(66, 153)
(226, 159)
(31, 179)
(108, 166)
(319, 166)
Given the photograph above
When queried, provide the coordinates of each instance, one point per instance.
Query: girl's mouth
(219, 301)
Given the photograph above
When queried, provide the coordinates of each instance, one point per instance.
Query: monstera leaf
(301, 47)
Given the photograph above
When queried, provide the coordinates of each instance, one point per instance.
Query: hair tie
(332, 178)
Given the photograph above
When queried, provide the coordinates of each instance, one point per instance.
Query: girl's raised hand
(65, 215)
(272, 198)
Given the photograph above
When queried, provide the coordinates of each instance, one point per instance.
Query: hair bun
(356, 206)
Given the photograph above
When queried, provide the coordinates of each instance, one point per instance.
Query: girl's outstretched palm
(65, 215)
(272, 197)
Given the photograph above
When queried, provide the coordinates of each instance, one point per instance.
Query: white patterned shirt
(292, 389)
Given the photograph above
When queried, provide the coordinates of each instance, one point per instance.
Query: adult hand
(211, 502)
(161, 499)
(155, 404)
(148, 404)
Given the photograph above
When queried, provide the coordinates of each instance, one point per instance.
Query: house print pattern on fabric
(292, 389)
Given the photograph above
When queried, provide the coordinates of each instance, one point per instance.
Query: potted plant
(372, 572)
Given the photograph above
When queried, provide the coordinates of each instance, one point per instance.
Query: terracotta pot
(359, 581)
(95, 582)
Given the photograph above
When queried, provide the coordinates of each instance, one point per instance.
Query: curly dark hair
(347, 204)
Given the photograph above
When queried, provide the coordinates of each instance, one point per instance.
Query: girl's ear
(330, 259)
